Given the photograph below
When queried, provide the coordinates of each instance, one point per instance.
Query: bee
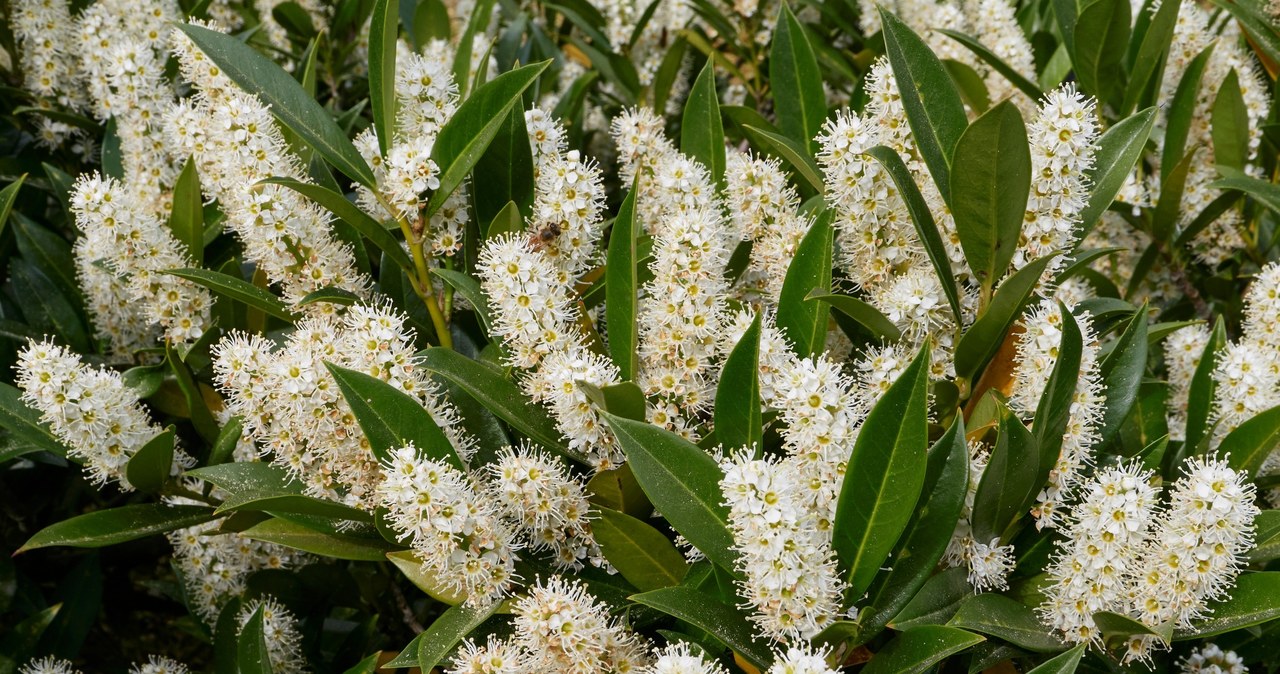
(544, 236)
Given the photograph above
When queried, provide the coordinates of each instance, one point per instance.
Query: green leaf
(1200, 399)
(1065, 663)
(289, 102)
(625, 400)
(1122, 370)
(477, 23)
(237, 289)
(1151, 55)
(430, 22)
(413, 568)
(448, 629)
(507, 167)
(46, 308)
(384, 29)
(21, 640)
(149, 468)
(638, 551)
(1267, 539)
(981, 341)
(682, 481)
(989, 189)
(1097, 60)
(922, 217)
(186, 220)
(937, 119)
(50, 253)
(796, 82)
(118, 525)
(1017, 79)
(498, 395)
(668, 71)
(7, 196)
(999, 616)
(339, 205)
(919, 648)
(789, 152)
(1267, 194)
(294, 535)
(885, 474)
(926, 536)
(1248, 445)
(737, 413)
(470, 289)
(1011, 481)
(1118, 150)
(252, 654)
(936, 602)
(25, 424)
(391, 418)
(330, 295)
(805, 323)
(1053, 412)
(1117, 629)
(721, 620)
(408, 656)
(509, 220)
(1254, 600)
(866, 315)
(622, 285)
(973, 89)
(1182, 111)
(197, 406)
(701, 130)
(467, 134)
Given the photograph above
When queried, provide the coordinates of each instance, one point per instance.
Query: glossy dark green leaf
(118, 525)
(294, 535)
(701, 130)
(1266, 193)
(391, 418)
(197, 406)
(1017, 79)
(1230, 126)
(866, 315)
(1254, 600)
(339, 205)
(1182, 111)
(922, 218)
(20, 641)
(46, 307)
(992, 176)
(252, 654)
(466, 136)
(805, 323)
(926, 536)
(625, 399)
(737, 413)
(1116, 628)
(790, 152)
(1011, 480)
(622, 286)
(24, 422)
(668, 72)
(289, 102)
(936, 602)
(237, 289)
(1200, 398)
(431, 22)
(49, 252)
(448, 629)
(498, 395)
(149, 468)
(1122, 371)
(796, 82)
(724, 622)
(933, 106)
(1064, 663)
(8, 196)
(384, 30)
(884, 478)
(330, 295)
(1053, 412)
(1151, 54)
(1097, 60)
(224, 447)
(507, 167)
(1118, 150)
(682, 481)
(919, 648)
(1248, 445)
(999, 616)
(640, 553)
(1267, 537)
(186, 220)
(477, 23)
(470, 289)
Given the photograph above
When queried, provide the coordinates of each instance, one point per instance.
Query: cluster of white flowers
(236, 143)
(49, 664)
(293, 408)
(1211, 659)
(1038, 347)
(989, 563)
(136, 247)
(1182, 353)
(50, 71)
(214, 564)
(648, 48)
(316, 12)
(1247, 372)
(764, 209)
(279, 631)
(679, 658)
(90, 409)
(159, 664)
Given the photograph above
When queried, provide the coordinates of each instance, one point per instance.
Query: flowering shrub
(666, 337)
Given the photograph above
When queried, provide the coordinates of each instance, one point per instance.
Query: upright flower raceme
(563, 629)
(764, 209)
(1211, 659)
(215, 565)
(50, 71)
(279, 631)
(1182, 353)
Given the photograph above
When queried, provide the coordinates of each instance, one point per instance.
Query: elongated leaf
(1254, 600)
(507, 167)
(25, 424)
(1267, 194)
(936, 602)
(1122, 372)
(1182, 111)
(252, 654)
(638, 551)
(238, 477)
(933, 106)
(1096, 60)
(919, 648)
(737, 413)
(1200, 399)
(1267, 538)
(383, 33)
(798, 98)
(805, 323)
(922, 217)
(338, 204)
(7, 196)
(1017, 79)
(289, 102)
(1116, 628)
(682, 481)
(391, 418)
(999, 616)
(926, 536)
(1011, 480)
(788, 151)
(1118, 150)
(467, 134)
(721, 620)
(186, 220)
(1248, 446)
(448, 629)
(118, 525)
(1065, 663)
(46, 307)
(237, 289)
(498, 395)
(866, 315)
(424, 579)
(992, 166)
(1151, 54)
(1053, 412)
(885, 474)
(148, 469)
(197, 406)
(1230, 125)
(283, 502)
(980, 342)
(408, 656)
(622, 286)
(701, 130)
(324, 543)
